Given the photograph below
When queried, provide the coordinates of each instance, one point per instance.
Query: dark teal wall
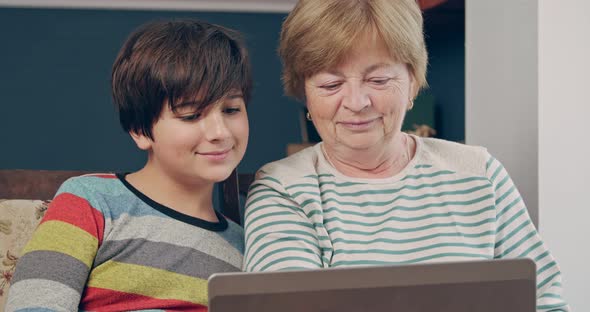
(444, 29)
(55, 106)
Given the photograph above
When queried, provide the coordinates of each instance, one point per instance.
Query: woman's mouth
(358, 125)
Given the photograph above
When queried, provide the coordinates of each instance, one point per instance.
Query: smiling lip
(358, 124)
(216, 155)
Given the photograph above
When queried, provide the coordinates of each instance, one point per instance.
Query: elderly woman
(370, 194)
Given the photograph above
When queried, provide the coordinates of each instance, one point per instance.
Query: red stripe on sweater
(77, 211)
(102, 175)
(100, 299)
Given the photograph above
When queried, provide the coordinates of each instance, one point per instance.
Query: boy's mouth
(216, 154)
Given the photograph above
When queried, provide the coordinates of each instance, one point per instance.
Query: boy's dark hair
(170, 62)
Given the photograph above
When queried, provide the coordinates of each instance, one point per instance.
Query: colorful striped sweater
(104, 246)
(452, 202)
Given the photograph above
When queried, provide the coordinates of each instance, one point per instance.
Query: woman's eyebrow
(366, 71)
(375, 67)
(334, 72)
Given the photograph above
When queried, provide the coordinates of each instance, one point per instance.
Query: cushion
(18, 220)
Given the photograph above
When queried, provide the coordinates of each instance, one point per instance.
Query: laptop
(507, 285)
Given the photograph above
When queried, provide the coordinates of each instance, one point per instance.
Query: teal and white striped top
(452, 202)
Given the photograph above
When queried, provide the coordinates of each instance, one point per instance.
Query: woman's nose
(356, 99)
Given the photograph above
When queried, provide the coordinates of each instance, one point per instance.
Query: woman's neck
(380, 161)
(191, 199)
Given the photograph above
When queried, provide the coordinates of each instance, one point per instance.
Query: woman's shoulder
(294, 166)
(455, 156)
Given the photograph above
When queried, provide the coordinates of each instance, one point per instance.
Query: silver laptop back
(484, 286)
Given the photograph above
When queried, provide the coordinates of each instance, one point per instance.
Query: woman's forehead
(367, 44)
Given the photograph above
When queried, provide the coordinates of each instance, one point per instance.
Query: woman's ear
(413, 87)
(141, 140)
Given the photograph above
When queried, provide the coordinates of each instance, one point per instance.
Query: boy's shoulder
(90, 184)
(234, 235)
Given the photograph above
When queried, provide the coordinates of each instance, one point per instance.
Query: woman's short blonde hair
(318, 34)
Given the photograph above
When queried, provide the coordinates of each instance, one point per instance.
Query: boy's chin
(219, 176)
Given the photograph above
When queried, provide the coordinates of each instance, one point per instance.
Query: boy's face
(198, 146)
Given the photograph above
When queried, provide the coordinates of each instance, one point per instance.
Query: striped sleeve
(52, 272)
(278, 234)
(517, 237)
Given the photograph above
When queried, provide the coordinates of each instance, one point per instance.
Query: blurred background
(508, 75)
(55, 70)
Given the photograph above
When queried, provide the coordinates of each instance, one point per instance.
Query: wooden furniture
(293, 148)
(233, 189)
(32, 184)
(26, 194)
(42, 184)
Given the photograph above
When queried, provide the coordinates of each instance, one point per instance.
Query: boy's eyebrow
(187, 103)
(196, 103)
(235, 94)
(181, 105)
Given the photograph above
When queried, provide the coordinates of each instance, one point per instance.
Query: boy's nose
(215, 128)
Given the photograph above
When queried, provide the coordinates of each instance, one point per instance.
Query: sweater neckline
(221, 225)
(388, 180)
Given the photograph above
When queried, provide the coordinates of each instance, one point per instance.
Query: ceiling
(197, 5)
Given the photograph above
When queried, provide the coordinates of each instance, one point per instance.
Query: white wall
(501, 87)
(528, 101)
(564, 140)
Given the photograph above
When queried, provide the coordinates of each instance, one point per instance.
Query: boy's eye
(232, 110)
(190, 117)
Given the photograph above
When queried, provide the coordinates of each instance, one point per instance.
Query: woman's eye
(379, 81)
(190, 117)
(331, 86)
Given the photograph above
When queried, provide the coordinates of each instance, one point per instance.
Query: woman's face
(360, 103)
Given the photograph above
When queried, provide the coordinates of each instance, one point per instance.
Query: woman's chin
(361, 143)
(362, 139)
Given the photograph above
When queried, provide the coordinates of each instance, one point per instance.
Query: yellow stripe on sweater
(149, 282)
(64, 238)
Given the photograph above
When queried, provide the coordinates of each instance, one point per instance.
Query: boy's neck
(194, 200)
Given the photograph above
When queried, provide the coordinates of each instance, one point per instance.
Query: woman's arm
(278, 234)
(517, 237)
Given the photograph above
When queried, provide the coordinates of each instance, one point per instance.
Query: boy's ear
(142, 141)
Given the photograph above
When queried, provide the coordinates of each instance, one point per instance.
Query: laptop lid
(491, 285)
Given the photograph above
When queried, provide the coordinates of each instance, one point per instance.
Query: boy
(150, 239)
